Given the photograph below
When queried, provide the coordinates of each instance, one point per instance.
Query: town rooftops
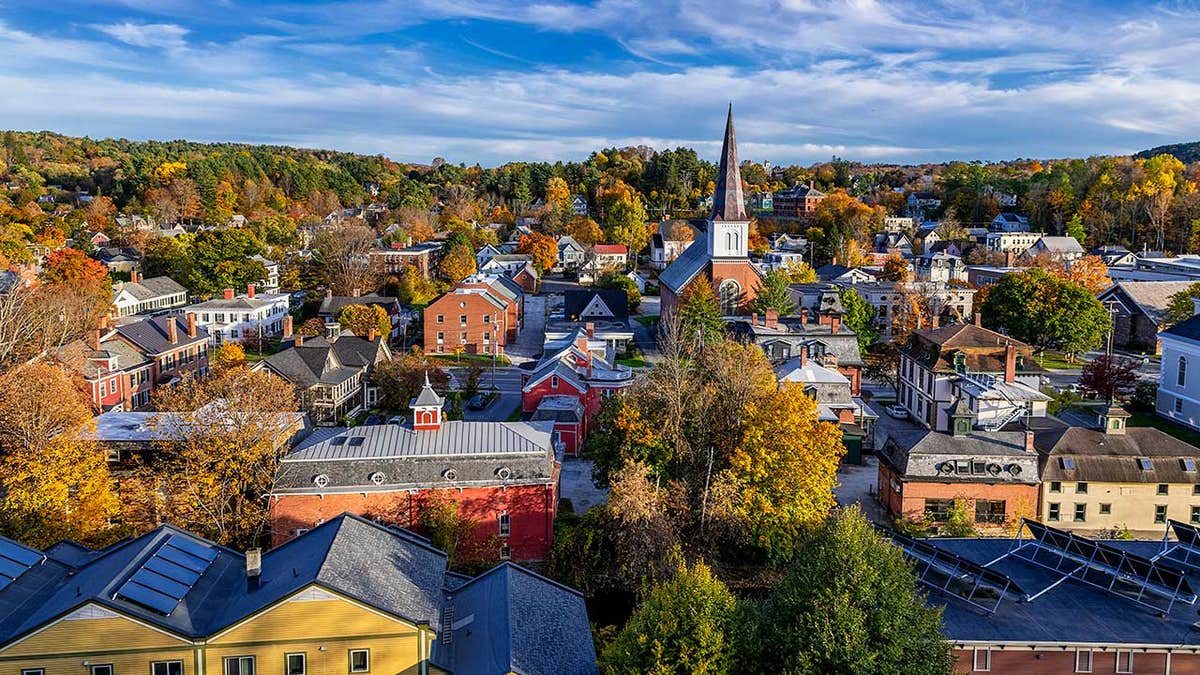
(982, 350)
(154, 287)
(683, 269)
(454, 439)
(978, 456)
(1187, 330)
(1060, 244)
(240, 302)
(612, 303)
(333, 305)
(610, 249)
(1137, 455)
(152, 335)
(1149, 297)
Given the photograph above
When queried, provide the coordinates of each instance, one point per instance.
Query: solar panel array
(1111, 569)
(954, 575)
(1186, 549)
(16, 560)
(166, 577)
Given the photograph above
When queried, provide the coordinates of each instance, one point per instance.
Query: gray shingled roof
(154, 287)
(150, 334)
(332, 306)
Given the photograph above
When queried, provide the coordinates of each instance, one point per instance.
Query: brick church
(720, 252)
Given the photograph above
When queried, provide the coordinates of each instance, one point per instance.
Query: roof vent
(321, 480)
(503, 473)
(378, 478)
(450, 475)
(1014, 469)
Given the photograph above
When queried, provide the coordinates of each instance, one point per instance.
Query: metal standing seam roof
(456, 438)
(685, 267)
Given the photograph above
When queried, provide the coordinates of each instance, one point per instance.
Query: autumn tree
(1041, 309)
(363, 319)
(458, 263)
(450, 529)
(800, 273)
(895, 268)
(1109, 378)
(228, 356)
(849, 603)
(685, 625)
(341, 256)
(400, 380)
(1161, 180)
(542, 247)
(558, 194)
(1180, 306)
(1090, 272)
(700, 316)
(585, 231)
(772, 293)
(220, 462)
(621, 433)
(626, 219)
(69, 266)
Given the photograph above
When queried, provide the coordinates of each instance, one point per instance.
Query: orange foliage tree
(542, 247)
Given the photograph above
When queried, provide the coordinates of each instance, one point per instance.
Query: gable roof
(576, 301)
(684, 268)
(1149, 297)
(334, 304)
(151, 334)
(154, 287)
(1188, 330)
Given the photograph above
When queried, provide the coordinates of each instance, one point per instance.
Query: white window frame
(239, 659)
(154, 665)
(987, 660)
(505, 524)
(33, 671)
(1083, 668)
(98, 669)
(350, 660)
(1128, 663)
(287, 663)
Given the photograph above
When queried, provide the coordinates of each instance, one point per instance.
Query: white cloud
(154, 35)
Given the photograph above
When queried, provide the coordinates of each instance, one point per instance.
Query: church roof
(728, 202)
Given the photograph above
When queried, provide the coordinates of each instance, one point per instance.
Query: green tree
(620, 434)
(219, 259)
(685, 626)
(627, 225)
(1180, 307)
(849, 603)
(1047, 311)
(860, 318)
(619, 282)
(700, 315)
(772, 293)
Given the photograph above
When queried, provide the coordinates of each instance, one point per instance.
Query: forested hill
(1184, 152)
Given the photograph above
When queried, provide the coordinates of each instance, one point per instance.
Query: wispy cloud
(156, 35)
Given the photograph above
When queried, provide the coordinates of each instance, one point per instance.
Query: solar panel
(1186, 549)
(1144, 463)
(16, 560)
(1111, 569)
(954, 575)
(166, 577)
(1067, 462)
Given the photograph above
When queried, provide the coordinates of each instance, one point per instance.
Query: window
(1144, 463)
(1052, 514)
(505, 552)
(296, 664)
(1081, 513)
(441, 337)
(487, 318)
(1196, 490)
(1081, 488)
(462, 337)
(441, 318)
(1187, 464)
(166, 668)
(360, 660)
(1124, 661)
(1066, 462)
(730, 295)
(103, 388)
(1105, 509)
(239, 665)
(554, 382)
(989, 511)
(1178, 405)
(462, 319)
(487, 337)
(983, 659)
(1160, 513)
(1181, 376)
(1083, 660)
(33, 671)
(504, 524)
(1195, 515)
(938, 510)
(1055, 486)
(1163, 489)
(102, 669)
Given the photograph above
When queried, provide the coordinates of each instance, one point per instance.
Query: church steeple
(728, 204)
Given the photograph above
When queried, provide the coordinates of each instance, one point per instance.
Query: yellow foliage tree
(585, 231)
(360, 319)
(229, 355)
(1089, 272)
(458, 264)
(167, 171)
(558, 194)
(800, 273)
(542, 247)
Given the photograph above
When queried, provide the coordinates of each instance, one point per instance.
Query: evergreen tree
(860, 318)
(772, 293)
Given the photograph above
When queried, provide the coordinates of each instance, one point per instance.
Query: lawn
(647, 320)
(1149, 419)
(1058, 361)
(468, 359)
(633, 363)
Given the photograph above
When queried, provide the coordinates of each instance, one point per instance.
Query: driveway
(575, 484)
(856, 485)
(499, 411)
(528, 345)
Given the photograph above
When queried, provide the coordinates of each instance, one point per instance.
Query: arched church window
(731, 297)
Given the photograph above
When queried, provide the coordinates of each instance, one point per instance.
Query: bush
(1145, 395)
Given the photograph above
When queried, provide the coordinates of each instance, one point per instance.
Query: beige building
(1113, 478)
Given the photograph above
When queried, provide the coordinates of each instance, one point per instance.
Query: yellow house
(1113, 477)
(348, 597)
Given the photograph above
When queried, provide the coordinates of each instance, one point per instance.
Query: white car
(897, 411)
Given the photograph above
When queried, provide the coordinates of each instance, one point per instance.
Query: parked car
(372, 420)
(397, 420)
(897, 411)
(478, 402)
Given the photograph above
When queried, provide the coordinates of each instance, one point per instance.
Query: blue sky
(491, 81)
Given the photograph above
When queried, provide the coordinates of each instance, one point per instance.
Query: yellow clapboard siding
(389, 656)
(92, 636)
(313, 618)
(123, 664)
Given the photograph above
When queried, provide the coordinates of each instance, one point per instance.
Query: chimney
(299, 342)
(835, 322)
(753, 318)
(172, 330)
(329, 292)
(978, 318)
(811, 184)
(408, 242)
(803, 355)
(589, 366)
(253, 567)
(591, 330)
(396, 246)
(803, 315)
(228, 293)
(355, 292)
(935, 321)
(1010, 363)
(95, 344)
(249, 290)
(1029, 440)
(191, 324)
(287, 326)
(772, 317)
(133, 276)
(371, 334)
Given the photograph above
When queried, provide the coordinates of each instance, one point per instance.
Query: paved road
(507, 379)
(499, 411)
(575, 484)
(646, 337)
(528, 345)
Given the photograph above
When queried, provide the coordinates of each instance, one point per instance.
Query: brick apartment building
(475, 318)
(798, 202)
(503, 475)
(392, 260)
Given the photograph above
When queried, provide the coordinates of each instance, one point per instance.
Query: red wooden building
(502, 475)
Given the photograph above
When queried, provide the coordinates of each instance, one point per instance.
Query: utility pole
(707, 478)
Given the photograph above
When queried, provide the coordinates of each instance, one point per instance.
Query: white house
(1016, 241)
(1179, 378)
(571, 253)
(233, 318)
(579, 205)
(939, 267)
(147, 295)
(483, 255)
(1009, 222)
(1066, 249)
(271, 283)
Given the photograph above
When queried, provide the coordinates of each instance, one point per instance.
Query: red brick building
(798, 202)
(502, 475)
(580, 368)
(721, 252)
(474, 317)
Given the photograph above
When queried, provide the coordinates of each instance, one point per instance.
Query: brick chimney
(191, 324)
(287, 326)
(253, 567)
(772, 317)
(249, 290)
(396, 246)
(1029, 440)
(172, 330)
(133, 276)
(228, 293)
(753, 318)
(356, 292)
(329, 292)
(835, 322)
(95, 339)
(1010, 363)
(371, 334)
(803, 315)
(978, 318)
(589, 370)
(935, 321)
(803, 355)
(299, 342)
(591, 330)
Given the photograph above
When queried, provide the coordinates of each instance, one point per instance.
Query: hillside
(1184, 152)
